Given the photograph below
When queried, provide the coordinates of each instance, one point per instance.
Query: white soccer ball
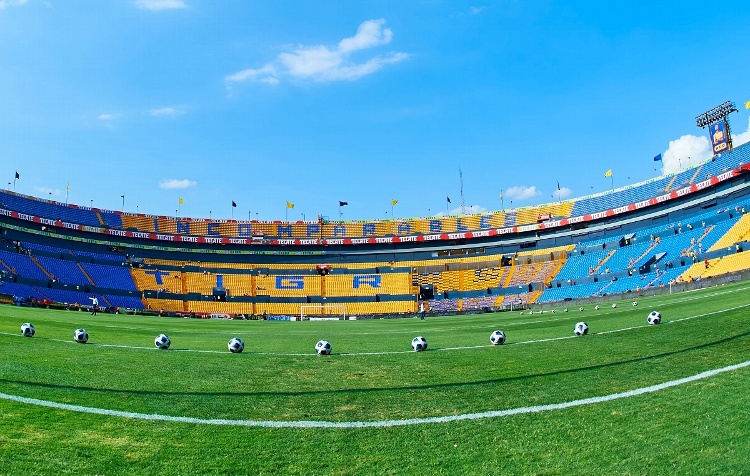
(566, 309)
(581, 329)
(522, 313)
(596, 308)
(635, 303)
(497, 338)
(323, 347)
(162, 342)
(419, 344)
(27, 330)
(614, 305)
(654, 318)
(553, 311)
(81, 336)
(531, 312)
(235, 345)
(580, 308)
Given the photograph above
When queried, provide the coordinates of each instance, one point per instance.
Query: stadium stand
(666, 242)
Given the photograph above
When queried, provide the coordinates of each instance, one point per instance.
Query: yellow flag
(393, 202)
(289, 205)
(747, 105)
(608, 173)
(180, 201)
(67, 187)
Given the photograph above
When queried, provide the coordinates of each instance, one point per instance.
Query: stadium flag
(180, 201)
(393, 202)
(343, 204)
(448, 199)
(747, 105)
(657, 158)
(289, 205)
(608, 173)
(67, 187)
(234, 204)
(17, 175)
(558, 185)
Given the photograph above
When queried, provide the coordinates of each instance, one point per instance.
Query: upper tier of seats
(376, 228)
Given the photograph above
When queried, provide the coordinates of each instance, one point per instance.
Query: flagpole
(391, 210)
(339, 211)
(286, 212)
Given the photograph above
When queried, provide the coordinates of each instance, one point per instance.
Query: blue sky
(269, 102)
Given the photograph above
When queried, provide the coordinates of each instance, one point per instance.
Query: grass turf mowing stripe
(381, 423)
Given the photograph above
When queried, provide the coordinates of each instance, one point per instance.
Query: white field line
(379, 423)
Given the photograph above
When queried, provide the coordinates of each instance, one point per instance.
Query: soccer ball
(497, 338)
(654, 318)
(581, 329)
(27, 330)
(323, 347)
(614, 306)
(635, 303)
(580, 309)
(553, 311)
(236, 346)
(596, 308)
(81, 336)
(531, 312)
(419, 344)
(566, 309)
(162, 342)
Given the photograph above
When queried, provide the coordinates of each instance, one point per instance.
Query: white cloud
(11, 3)
(167, 111)
(684, 152)
(476, 10)
(564, 193)
(321, 63)
(106, 117)
(742, 137)
(522, 192)
(156, 5)
(170, 184)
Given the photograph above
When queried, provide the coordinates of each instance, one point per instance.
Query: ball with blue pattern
(418, 344)
(235, 345)
(323, 347)
(27, 329)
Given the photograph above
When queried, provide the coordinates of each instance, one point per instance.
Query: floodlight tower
(718, 116)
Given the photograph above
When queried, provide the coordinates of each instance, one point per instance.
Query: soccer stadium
(676, 232)
(592, 330)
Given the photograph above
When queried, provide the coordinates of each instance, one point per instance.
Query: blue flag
(343, 204)
(657, 158)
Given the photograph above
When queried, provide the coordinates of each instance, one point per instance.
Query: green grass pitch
(375, 407)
